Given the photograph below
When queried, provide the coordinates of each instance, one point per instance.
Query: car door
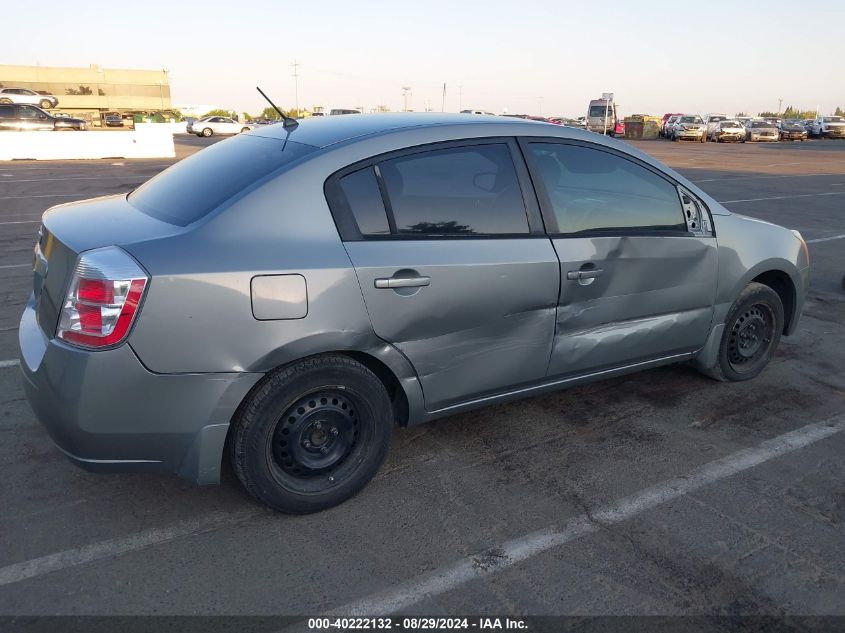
(454, 266)
(32, 119)
(638, 258)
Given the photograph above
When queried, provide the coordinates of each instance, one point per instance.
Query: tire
(206, 132)
(279, 426)
(46, 104)
(246, 129)
(752, 333)
(5, 101)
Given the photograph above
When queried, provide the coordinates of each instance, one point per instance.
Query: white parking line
(117, 546)
(826, 239)
(802, 195)
(10, 363)
(22, 222)
(15, 266)
(482, 565)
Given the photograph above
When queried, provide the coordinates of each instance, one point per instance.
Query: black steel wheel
(751, 334)
(312, 434)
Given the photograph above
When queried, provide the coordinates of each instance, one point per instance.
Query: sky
(529, 57)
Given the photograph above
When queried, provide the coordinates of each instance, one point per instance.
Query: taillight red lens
(102, 299)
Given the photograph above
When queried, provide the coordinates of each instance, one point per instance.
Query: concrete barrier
(146, 141)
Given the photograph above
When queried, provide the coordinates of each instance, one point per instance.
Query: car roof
(324, 131)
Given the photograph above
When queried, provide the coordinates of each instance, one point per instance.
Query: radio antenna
(288, 122)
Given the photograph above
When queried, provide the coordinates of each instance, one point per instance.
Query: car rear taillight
(102, 299)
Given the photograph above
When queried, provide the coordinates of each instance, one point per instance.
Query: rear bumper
(108, 413)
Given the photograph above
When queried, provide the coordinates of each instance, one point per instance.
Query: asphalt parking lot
(658, 493)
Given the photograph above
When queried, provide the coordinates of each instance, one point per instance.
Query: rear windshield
(691, 119)
(195, 186)
(600, 110)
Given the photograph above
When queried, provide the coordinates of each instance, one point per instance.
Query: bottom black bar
(431, 624)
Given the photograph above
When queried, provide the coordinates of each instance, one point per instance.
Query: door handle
(584, 274)
(403, 282)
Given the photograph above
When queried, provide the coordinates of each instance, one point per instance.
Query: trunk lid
(70, 229)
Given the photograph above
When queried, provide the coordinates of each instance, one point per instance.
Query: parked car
(729, 130)
(113, 120)
(207, 126)
(28, 97)
(828, 127)
(28, 118)
(761, 130)
(792, 130)
(665, 122)
(712, 122)
(337, 111)
(670, 124)
(689, 126)
(293, 294)
(619, 130)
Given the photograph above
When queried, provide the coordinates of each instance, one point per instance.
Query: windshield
(195, 186)
(833, 119)
(599, 110)
(791, 122)
(691, 119)
(730, 124)
(758, 124)
(716, 119)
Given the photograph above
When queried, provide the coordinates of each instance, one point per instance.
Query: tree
(270, 113)
(839, 112)
(741, 114)
(217, 112)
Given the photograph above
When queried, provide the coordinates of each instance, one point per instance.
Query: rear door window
(7, 112)
(197, 185)
(470, 190)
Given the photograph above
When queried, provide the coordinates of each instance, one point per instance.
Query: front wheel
(312, 434)
(751, 336)
(46, 104)
(207, 132)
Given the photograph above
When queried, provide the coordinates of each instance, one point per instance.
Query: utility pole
(406, 92)
(780, 103)
(296, 66)
(460, 98)
(443, 99)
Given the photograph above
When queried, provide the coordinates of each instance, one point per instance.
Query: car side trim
(553, 385)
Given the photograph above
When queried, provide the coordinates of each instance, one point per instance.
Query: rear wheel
(244, 129)
(5, 100)
(751, 336)
(207, 132)
(312, 434)
(46, 104)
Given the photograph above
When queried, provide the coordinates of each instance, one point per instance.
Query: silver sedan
(293, 293)
(210, 125)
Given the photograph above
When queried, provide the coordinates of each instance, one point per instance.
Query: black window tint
(364, 199)
(28, 112)
(197, 185)
(594, 190)
(467, 190)
(7, 112)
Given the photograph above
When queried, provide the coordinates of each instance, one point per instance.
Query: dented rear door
(638, 261)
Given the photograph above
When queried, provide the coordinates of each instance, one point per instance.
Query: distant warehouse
(90, 92)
